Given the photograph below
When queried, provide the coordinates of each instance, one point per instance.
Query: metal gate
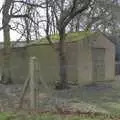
(98, 57)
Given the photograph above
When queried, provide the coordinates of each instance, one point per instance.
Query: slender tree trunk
(53, 23)
(27, 30)
(27, 23)
(77, 23)
(6, 75)
(6, 72)
(72, 26)
(48, 21)
(63, 64)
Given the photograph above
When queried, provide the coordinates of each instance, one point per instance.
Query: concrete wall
(18, 64)
(72, 62)
(102, 42)
(84, 63)
(48, 60)
(79, 61)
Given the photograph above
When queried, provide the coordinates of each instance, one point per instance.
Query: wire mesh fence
(44, 94)
(32, 87)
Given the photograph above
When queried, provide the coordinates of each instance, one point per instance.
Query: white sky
(1, 36)
(13, 34)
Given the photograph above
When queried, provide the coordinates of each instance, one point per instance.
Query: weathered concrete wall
(79, 61)
(102, 42)
(72, 62)
(19, 65)
(48, 60)
(84, 63)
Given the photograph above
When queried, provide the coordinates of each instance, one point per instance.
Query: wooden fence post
(32, 84)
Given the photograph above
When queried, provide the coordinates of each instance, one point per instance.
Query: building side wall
(72, 62)
(18, 64)
(84, 63)
(79, 61)
(103, 42)
(48, 61)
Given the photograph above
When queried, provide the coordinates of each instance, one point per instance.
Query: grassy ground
(102, 97)
(13, 116)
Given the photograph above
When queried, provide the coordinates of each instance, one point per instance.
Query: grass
(10, 116)
(70, 37)
(6, 116)
(104, 95)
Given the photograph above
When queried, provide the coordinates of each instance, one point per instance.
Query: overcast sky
(13, 35)
(1, 36)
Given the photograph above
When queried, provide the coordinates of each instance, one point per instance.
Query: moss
(75, 36)
(70, 37)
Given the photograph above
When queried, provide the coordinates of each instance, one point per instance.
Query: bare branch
(30, 4)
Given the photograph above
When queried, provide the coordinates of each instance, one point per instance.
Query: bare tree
(100, 16)
(10, 12)
(64, 12)
(6, 76)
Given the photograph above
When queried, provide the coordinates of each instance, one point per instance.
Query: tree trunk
(28, 38)
(6, 75)
(77, 23)
(48, 20)
(63, 64)
(27, 23)
(72, 26)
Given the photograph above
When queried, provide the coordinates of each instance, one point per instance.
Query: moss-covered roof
(70, 37)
